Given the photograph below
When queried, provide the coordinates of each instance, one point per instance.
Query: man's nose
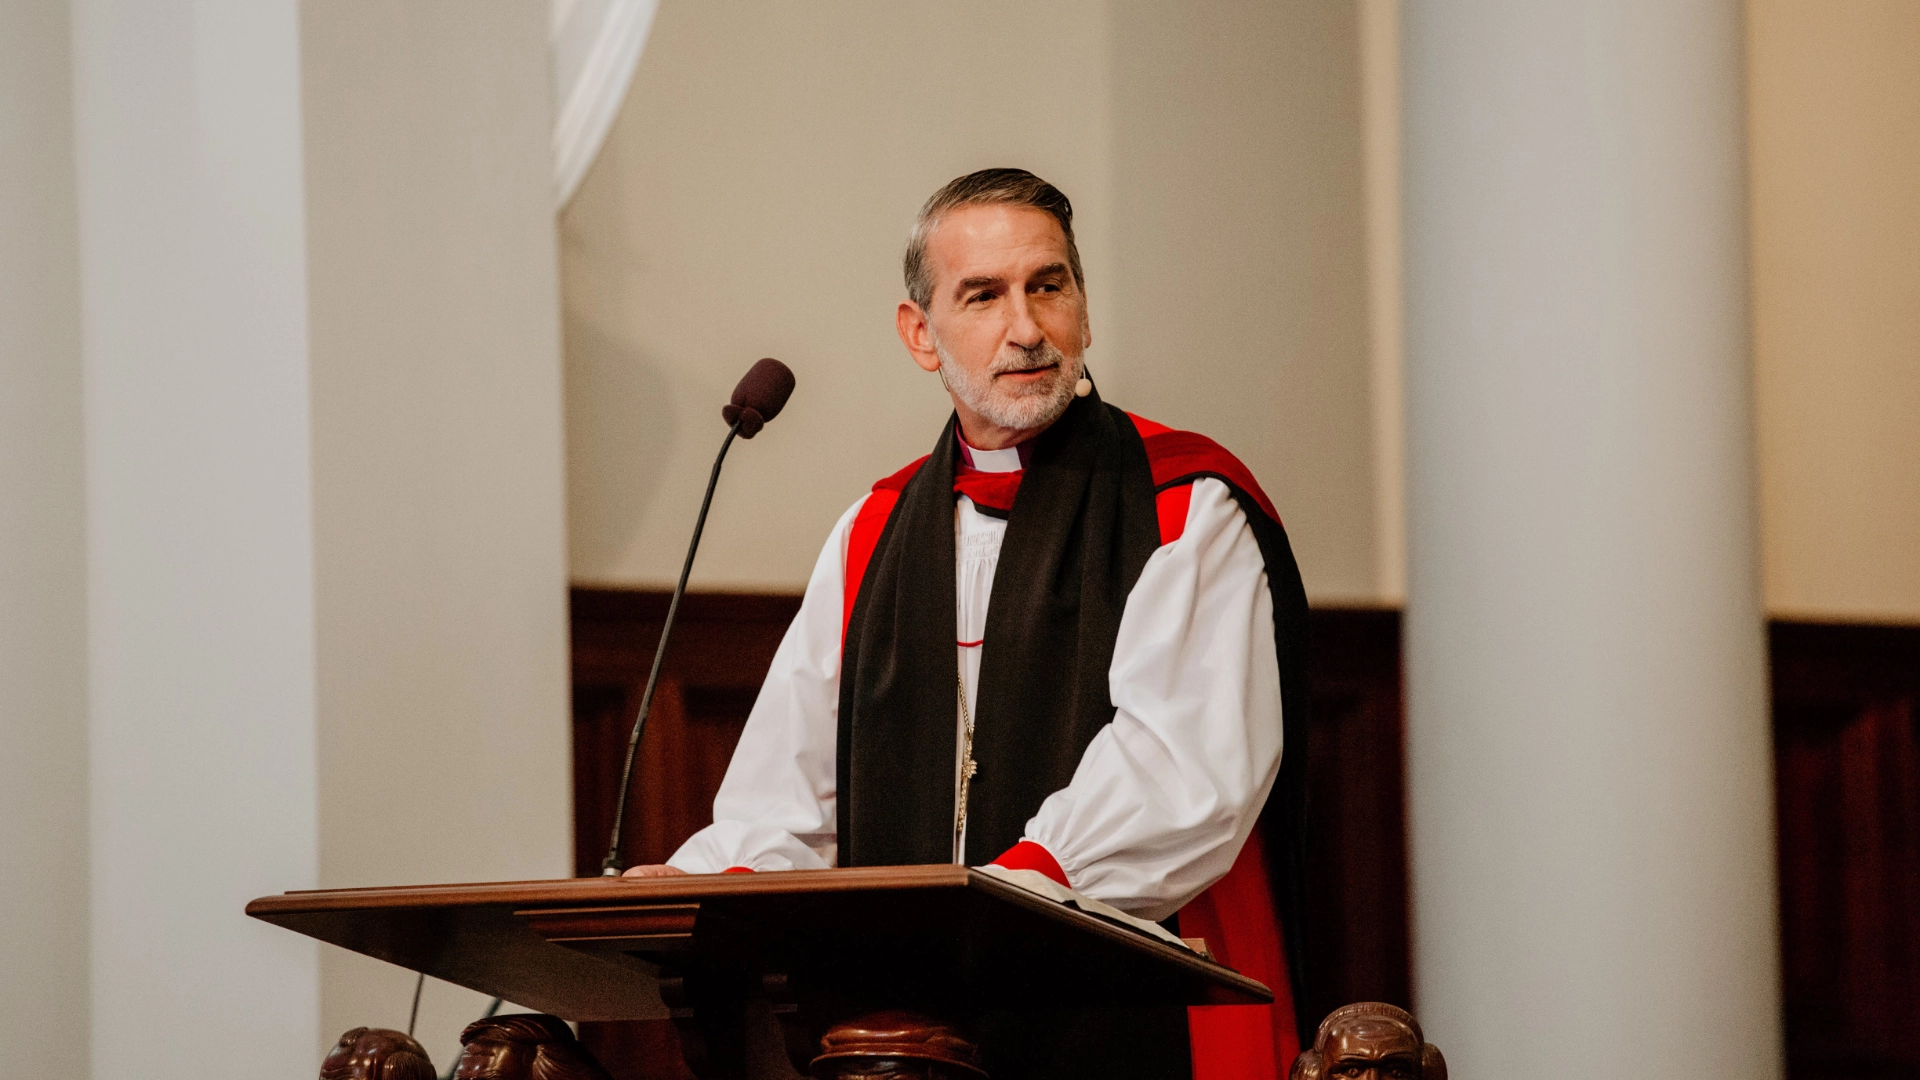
(1022, 330)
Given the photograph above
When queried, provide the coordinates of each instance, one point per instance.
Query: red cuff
(1027, 855)
(738, 870)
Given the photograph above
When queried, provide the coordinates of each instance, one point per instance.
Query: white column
(43, 673)
(439, 501)
(1588, 751)
(199, 533)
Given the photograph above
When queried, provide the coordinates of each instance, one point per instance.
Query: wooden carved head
(1369, 1040)
(898, 1046)
(376, 1054)
(526, 1046)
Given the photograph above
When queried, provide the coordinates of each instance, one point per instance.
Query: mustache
(1043, 355)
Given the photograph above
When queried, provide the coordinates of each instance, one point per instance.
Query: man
(1069, 640)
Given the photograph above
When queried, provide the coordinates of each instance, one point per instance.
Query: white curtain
(596, 44)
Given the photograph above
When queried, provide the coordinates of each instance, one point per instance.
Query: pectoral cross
(968, 767)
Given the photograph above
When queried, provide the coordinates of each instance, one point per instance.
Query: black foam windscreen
(760, 395)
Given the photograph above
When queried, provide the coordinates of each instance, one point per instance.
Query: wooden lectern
(814, 947)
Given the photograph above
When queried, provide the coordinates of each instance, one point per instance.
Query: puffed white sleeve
(775, 809)
(1165, 795)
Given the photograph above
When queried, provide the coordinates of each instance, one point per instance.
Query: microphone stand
(610, 866)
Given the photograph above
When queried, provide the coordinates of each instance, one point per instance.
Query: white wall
(43, 720)
(755, 195)
(440, 553)
(199, 532)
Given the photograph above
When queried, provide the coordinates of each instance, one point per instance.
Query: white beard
(1019, 408)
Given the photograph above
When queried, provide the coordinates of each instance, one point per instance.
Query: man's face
(1007, 324)
(1372, 1048)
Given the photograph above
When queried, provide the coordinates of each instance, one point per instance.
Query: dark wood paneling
(1848, 787)
(1357, 925)
(722, 646)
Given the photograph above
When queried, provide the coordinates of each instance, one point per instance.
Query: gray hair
(1010, 187)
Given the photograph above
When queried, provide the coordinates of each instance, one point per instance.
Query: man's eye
(979, 297)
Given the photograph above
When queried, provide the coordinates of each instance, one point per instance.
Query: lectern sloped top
(592, 948)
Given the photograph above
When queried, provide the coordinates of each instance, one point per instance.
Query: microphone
(759, 396)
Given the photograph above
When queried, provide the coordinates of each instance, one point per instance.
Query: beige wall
(1235, 168)
(1239, 299)
(1835, 114)
(43, 672)
(439, 552)
(1386, 334)
(755, 193)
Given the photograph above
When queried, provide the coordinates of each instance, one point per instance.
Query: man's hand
(653, 871)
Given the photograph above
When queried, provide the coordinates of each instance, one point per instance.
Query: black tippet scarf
(1080, 531)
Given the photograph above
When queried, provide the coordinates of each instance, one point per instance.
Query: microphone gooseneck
(761, 394)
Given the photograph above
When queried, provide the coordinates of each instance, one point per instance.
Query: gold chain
(967, 767)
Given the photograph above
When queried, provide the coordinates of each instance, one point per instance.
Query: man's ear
(916, 335)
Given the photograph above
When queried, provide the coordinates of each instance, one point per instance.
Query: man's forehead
(995, 238)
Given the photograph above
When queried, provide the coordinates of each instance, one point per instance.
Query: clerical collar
(1012, 459)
